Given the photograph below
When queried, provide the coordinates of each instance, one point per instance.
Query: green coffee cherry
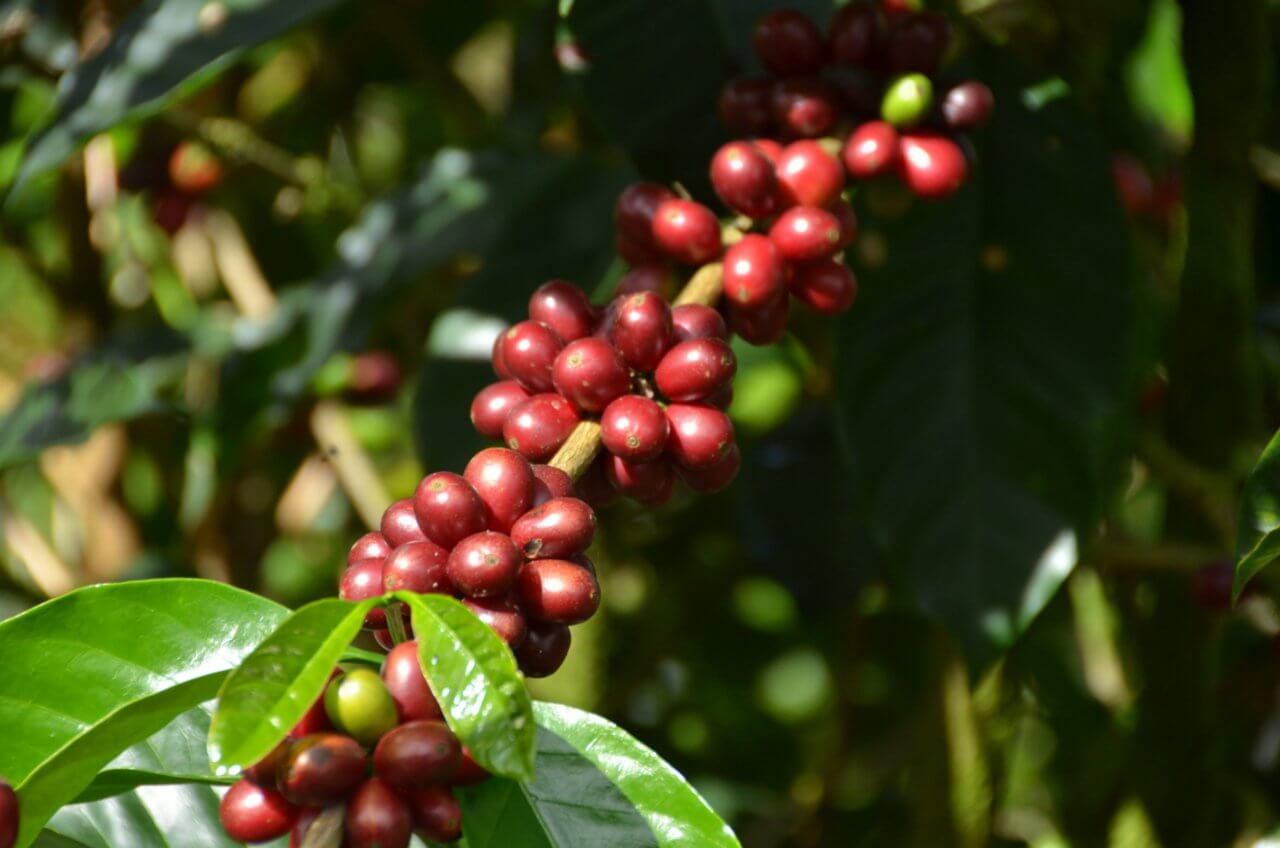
(907, 100)
(359, 705)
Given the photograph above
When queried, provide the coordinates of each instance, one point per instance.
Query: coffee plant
(868, 410)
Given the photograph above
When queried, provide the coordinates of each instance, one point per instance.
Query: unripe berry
(363, 580)
(400, 524)
(550, 482)
(646, 278)
(968, 106)
(448, 508)
(377, 817)
(436, 813)
(493, 404)
(788, 43)
(907, 100)
(710, 480)
(369, 546)
(544, 649)
(539, 426)
(826, 287)
(761, 325)
(249, 813)
(871, 150)
(642, 330)
(402, 674)
(418, 753)
(502, 616)
(484, 565)
(695, 370)
(564, 308)
(560, 528)
(417, 567)
(808, 175)
(745, 105)
(701, 436)
(804, 234)
(686, 231)
(932, 166)
(806, 107)
(697, 321)
(528, 350)
(591, 372)
(321, 768)
(650, 483)
(359, 704)
(634, 428)
(504, 481)
(743, 178)
(633, 213)
(754, 271)
(558, 591)
(854, 35)
(918, 43)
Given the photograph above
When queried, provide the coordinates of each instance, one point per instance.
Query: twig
(1115, 555)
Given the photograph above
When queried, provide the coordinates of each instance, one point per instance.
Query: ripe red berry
(400, 524)
(544, 649)
(633, 213)
(361, 581)
(316, 718)
(263, 772)
(369, 546)
(502, 615)
(715, 478)
(194, 168)
(634, 428)
(528, 350)
(854, 35)
(448, 508)
(722, 399)
(643, 278)
(968, 106)
(377, 817)
(470, 772)
(848, 223)
(805, 107)
(306, 818)
(745, 105)
(374, 377)
(417, 567)
(484, 565)
(499, 362)
(642, 330)
(828, 288)
(594, 486)
(651, 483)
(808, 175)
(696, 321)
(695, 370)
(417, 753)
(321, 768)
(564, 308)
(493, 404)
(402, 673)
(686, 231)
(754, 271)
(932, 166)
(701, 435)
(743, 178)
(550, 482)
(560, 528)
(436, 812)
(249, 813)
(763, 324)
(804, 234)
(558, 591)
(918, 42)
(504, 481)
(539, 426)
(871, 150)
(591, 372)
(788, 43)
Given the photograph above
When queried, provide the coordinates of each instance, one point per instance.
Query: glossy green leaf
(177, 753)
(271, 690)
(1258, 537)
(474, 677)
(183, 816)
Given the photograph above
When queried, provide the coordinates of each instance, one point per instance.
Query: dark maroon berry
(321, 768)
(594, 486)
(848, 223)
(686, 231)
(745, 105)
(701, 436)
(529, 349)
(544, 649)
(642, 330)
(710, 480)
(470, 772)
(436, 813)
(539, 426)
(369, 546)
(635, 253)
(696, 321)
(788, 43)
(402, 673)
(316, 718)
(377, 817)
(695, 370)
(761, 325)
(418, 753)
(932, 166)
(550, 482)
(499, 362)
(492, 405)
(722, 399)
(263, 772)
(558, 591)
(564, 308)
(448, 508)
(754, 271)
(968, 106)
(502, 615)
(417, 567)
(634, 211)
(560, 528)
(804, 234)
(484, 565)
(650, 483)
(306, 818)
(860, 92)
(362, 581)
(743, 178)
(400, 524)
(249, 813)
(504, 481)
(825, 287)
(805, 107)
(591, 372)
(871, 150)
(647, 278)
(918, 42)
(634, 428)
(854, 35)
(808, 175)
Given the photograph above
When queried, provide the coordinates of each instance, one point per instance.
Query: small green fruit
(907, 100)
(359, 704)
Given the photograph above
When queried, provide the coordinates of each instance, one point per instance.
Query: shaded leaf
(149, 817)
(1258, 539)
(176, 754)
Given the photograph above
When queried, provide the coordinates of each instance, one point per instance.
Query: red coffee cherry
(249, 813)
(754, 271)
(634, 428)
(918, 42)
(502, 616)
(263, 772)
(761, 325)
(634, 210)
(194, 168)
(686, 231)
(369, 546)
(377, 817)
(805, 234)
(316, 718)
(695, 370)
(646, 278)
(436, 813)
(593, 486)
(808, 175)
(968, 106)
(560, 528)
(564, 308)
(496, 358)
(828, 288)
(402, 673)
(470, 772)
(591, 372)
(550, 482)
(805, 107)
(539, 426)
(860, 92)
(722, 399)
(848, 223)
(484, 565)
(770, 148)
(650, 483)
(528, 350)
(306, 818)
(362, 581)
(701, 436)
(557, 591)
(418, 753)
(504, 481)
(320, 769)
(743, 178)
(696, 321)
(871, 150)
(932, 166)
(492, 405)
(448, 508)
(635, 253)
(642, 330)
(400, 524)
(789, 44)
(854, 35)
(708, 481)
(417, 567)
(745, 105)
(374, 377)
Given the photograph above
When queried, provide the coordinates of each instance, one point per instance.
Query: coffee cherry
(788, 43)
(591, 372)
(743, 178)
(502, 615)
(315, 719)
(417, 567)
(635, 253)
(539, 426)
(763, 324)
(194, 168)
(550, 482)
(377, 817)
(806, 107)
(716, 478)
(484, 565)
(497, 359)
(932, 166)
(493, 404)
(871, 150)
(828, 288)
(754, 272)
(808, 175)
(769, 148)
(646, 278)
(564, 308)
(634, 428)
(968, 106)
(470, 773)
(594, 486)
(803, 234)
(435, 813)
(855, 34)
(642, 330)
(504, 481)
(686, 231)
(402, 674)
(860, 92)
(695, 370)
(400, 525)
(722, 399)
(306, 817)
(417, 754)
(633, 213)
(558, 529)
(700, 435)
(362, 581)
(529, 349)
(374, 377)
(558, 591)
(320, 769)
(448, 508)
(651, 483)
(359, 704)
(544, 649)
(907, 100)
(369, 546)
(848, 223)
(745, 105)
(263, 772)
(249, 813)
(918, 42)
(696, 321)
(10, 815)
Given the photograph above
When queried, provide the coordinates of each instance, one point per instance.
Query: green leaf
(184, 816)
(265, 697)
(1258, 539)
(474, 677)
(987, 373)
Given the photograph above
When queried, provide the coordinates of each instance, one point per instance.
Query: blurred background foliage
(973, 584)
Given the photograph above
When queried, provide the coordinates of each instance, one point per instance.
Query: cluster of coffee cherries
(374, 743)
(871, 80)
